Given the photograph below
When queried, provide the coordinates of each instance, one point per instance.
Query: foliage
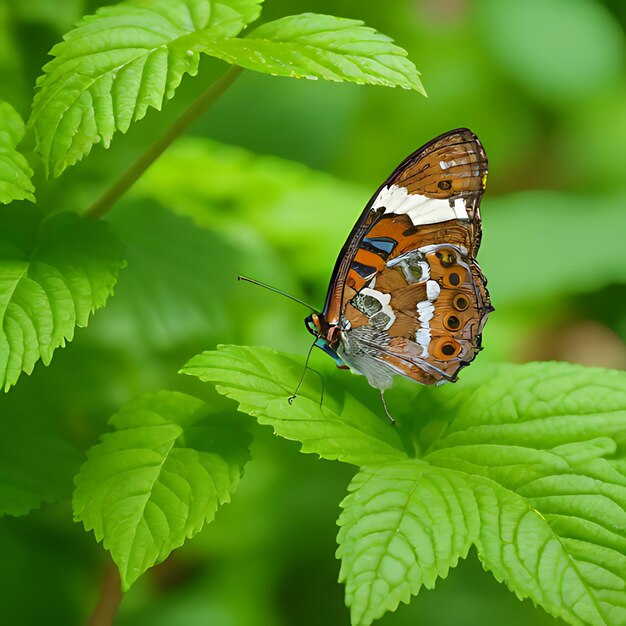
(53, 274)
(118, 63)
(15, 173)
(158, 478)
(518, 469)
(320, 46)
(124, 59)
(521, 464)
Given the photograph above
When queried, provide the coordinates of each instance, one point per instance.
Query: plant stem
(189, 116)
(110, 598)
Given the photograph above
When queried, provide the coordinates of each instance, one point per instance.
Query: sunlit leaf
(15, 173)
(545, 438)
(403, 526)
(118, 63)
(158, 478)
(262, 380)
(53, 276)
(319, 46)
(519, 461)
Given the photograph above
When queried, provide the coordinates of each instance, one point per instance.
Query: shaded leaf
(158, 478)
(15, 173)
(36, 465)
(53, 275)
(319, 46)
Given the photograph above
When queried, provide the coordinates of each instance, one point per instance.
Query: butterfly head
(327, 337)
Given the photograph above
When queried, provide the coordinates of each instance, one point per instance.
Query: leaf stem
(188, 117)
(110, 598)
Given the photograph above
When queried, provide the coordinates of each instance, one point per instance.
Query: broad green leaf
(261, 380)
(15, 173)
(319, 46)
(553, 510)
(403, 526)
(158, 478)
(541, 448)
(118, 63)
(53, 275)
(555, 551)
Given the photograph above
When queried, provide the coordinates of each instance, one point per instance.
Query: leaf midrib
(393, 533)
(140, 515)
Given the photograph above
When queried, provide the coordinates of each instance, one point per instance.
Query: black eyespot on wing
(460, 302)
(444, 185)
(452, 322)
(454, 279)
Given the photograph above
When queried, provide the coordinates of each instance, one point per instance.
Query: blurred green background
(269, 184)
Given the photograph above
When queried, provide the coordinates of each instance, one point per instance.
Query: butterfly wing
(407, 293)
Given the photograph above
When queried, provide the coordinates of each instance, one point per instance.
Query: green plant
(526, 463)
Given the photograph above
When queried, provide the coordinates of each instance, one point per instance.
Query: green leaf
(319, 46)
(539, 443)
(521, 463)
(119, 62)
(158, 478)
(262, 380)
(403, 526)
(15, 173)
(53, 275)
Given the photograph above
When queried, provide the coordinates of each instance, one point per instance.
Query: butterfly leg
(382, 397)
(293, 396)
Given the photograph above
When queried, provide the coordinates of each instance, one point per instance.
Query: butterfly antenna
(382, 397)
(292, 397)
(278, 291)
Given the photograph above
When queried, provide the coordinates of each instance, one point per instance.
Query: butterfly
(407, 296)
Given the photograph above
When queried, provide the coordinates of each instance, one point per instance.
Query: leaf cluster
(525, 463)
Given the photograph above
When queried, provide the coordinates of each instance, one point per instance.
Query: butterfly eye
(460, 302)
(452, 322)
(447, 258)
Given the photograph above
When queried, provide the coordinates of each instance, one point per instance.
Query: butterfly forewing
(407, 293)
